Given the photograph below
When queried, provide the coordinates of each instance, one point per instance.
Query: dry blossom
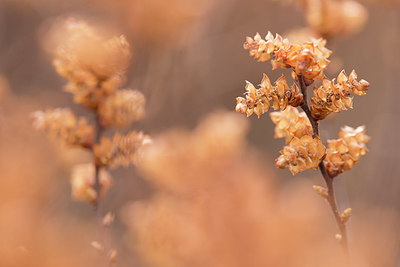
(330, 18)
(344, 152)
(304, 149)
(95, 68)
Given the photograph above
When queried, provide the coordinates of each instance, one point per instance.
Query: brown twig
(97, 187)
(328, 179)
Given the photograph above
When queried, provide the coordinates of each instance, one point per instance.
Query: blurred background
(188, 61)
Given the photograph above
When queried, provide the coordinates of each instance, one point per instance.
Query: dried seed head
(94, 66)
(291, 123)
(63, 124)
(308, 59)
(331, 97)
(122, 108)
(335, 18)
(301, 154)
(257, 100)
(344, 152)
(121, 149)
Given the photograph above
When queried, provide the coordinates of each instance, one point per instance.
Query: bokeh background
(188, 61)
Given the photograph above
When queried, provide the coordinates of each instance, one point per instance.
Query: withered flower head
(308, 59)
(62, 123)
(291, 123)
(83, 179)
(344, 152)
(93, 65)
(331, 97)
(301, 154)
(121, 149)
(335, 18)
(122, 108)
(257, 100)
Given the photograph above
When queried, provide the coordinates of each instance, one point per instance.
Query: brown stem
(328, 179)
(97, 187)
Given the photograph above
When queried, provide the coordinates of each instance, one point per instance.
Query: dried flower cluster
(258, 100)
(330, 18)
(122, 108)
(308, 59)
(331, 97)
(93, 66)
(95, 69)
(304, 149)
(344, 152)
(62, 123)
(301, 154)
(121, 150)
(291, 123)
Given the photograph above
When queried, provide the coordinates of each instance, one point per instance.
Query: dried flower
(83, 180)
(344, 152)
(308, 59)
(301, 154)
(332, 18)
(94, 66)
(258, 100)
(331, 97)
(63, 124)
(120, 150)
(122, 108)
(291, 123)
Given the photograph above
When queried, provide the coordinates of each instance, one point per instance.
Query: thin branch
(328, 179)
(97, 187)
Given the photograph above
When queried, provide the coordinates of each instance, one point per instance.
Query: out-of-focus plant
(332, 18)
(95, 68)
(304, 149)
(215, 204)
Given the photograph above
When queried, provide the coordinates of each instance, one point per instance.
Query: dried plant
(206, 209)
(304, 149)
(331, 18)
(95, 69)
